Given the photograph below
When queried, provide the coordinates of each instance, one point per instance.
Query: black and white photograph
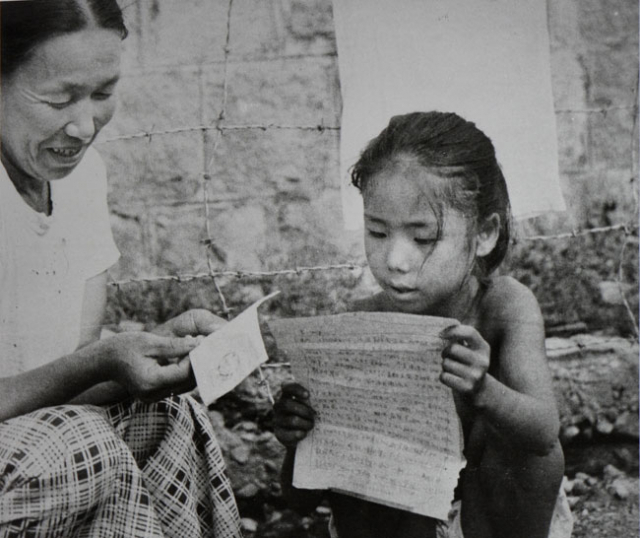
(319, 269)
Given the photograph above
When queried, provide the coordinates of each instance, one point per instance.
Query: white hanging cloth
(486, 60)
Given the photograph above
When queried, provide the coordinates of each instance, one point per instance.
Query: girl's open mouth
(401, 290)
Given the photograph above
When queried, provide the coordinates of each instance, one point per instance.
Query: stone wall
(273, 194)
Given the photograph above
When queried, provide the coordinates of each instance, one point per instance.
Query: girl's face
(54, 104)
(422, 267)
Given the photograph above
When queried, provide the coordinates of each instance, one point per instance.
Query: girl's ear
(487, 236)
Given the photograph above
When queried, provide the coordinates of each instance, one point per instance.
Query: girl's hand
(147, 365)
(293, 416)
(465, 361)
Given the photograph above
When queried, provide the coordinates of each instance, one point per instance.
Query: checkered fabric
(128, 470)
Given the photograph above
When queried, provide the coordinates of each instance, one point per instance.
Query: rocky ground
(603, 492)
(604, 501)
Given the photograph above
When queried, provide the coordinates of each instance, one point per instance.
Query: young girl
(437, 216)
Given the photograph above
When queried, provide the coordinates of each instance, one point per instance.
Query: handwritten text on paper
(387, 429)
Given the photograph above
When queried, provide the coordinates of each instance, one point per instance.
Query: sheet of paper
(387, 429)
(226, 357)
(487, 60)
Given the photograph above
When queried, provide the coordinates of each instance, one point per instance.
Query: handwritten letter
(227, 356)
(387, 429)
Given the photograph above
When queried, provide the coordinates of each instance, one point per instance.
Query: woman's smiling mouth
(66, 152)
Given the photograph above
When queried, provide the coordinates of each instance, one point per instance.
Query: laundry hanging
(486, 60)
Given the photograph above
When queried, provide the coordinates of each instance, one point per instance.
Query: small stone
(249, 525)
(248, 437)
(241, 454)
(572, 500)
(610, 472)
(619, 489)
(323, 511)
(570, 432)
(622, 419)
(579, 487)
(625, 457)
(567, 485)
(604, 427)
(248, 490)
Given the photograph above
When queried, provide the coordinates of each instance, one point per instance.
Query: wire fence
(213, 133)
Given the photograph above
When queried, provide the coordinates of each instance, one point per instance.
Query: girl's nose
(399, 256)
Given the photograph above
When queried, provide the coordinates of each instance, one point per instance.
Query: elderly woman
(88, 447)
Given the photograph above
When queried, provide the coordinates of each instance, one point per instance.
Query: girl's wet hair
(29, 23)
(456, 150)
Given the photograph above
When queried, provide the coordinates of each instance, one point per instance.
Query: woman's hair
(457, 151)
(28, 23)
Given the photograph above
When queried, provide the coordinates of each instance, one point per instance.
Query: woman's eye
(101, 96)
(59, 105)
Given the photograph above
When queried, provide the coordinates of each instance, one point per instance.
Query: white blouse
(45, 262)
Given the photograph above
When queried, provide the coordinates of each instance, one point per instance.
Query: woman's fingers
(169, 346)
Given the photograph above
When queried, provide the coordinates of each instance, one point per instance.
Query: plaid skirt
(127, 470)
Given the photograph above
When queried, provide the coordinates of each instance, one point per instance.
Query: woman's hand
(293, 416)
(195, 322)
(148, 366)
(465, 361)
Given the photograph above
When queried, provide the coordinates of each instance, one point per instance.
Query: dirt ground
(603, 490)
(601, 513)
(601, 485)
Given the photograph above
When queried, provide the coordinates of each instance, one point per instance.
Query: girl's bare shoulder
(508, 301)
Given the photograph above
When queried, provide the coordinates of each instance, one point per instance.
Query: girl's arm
(517, 403)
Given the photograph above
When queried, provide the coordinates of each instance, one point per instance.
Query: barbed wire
(219, 127)
(240, 274)
(208, 164)
(319, 127)
(628, 229)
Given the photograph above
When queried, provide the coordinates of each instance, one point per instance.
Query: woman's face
(55, 103)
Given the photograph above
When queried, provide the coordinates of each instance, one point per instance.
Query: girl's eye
(424, 240)
(375, 234)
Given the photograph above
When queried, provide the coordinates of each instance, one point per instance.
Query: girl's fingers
(465, 335)
(294, 390)
(293, 422)
(456, 383)
(284, 407)
(456, 368)
(290, 437)
(461, 353)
